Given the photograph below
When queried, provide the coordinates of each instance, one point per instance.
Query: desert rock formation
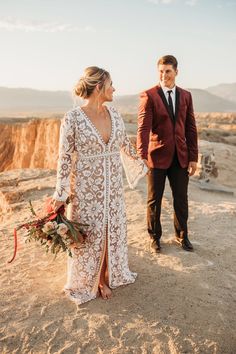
(33, 143)
(30, 144)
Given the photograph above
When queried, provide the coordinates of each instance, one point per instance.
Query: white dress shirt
(173, 94)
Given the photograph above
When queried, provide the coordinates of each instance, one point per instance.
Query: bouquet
(54, 231)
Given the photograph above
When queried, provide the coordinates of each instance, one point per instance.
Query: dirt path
(181, 302)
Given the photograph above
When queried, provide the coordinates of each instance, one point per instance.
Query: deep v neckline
(96, 129)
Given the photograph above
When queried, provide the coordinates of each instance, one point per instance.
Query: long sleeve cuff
(134, 169)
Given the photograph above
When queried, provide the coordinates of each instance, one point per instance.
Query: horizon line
(121, 94)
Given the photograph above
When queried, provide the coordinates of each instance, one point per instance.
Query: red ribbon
(51, 217)
(15, 246)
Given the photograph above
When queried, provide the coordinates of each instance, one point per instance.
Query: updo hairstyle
(92, 77)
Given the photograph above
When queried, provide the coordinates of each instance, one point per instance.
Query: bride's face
(108, 90)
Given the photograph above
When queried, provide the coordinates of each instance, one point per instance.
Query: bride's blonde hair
(92, 77)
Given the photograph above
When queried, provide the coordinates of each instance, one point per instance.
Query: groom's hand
(192, 167)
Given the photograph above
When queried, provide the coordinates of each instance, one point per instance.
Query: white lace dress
(90, 172)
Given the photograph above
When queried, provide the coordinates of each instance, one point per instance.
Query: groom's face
(167, 75)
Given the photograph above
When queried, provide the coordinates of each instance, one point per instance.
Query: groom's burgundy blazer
(159, 133)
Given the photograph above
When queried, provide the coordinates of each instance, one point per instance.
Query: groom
(167, 142)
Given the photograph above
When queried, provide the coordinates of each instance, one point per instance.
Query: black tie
(170, 103)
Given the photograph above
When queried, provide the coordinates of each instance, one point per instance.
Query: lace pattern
(90, 171)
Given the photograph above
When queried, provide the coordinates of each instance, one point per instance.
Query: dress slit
(107, 257)
(104, 254)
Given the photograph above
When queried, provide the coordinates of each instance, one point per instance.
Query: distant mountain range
(24, 99)
(203, 100)
(221, 98)
(226, 91)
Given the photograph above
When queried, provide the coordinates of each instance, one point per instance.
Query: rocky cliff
(29, 144)
(33, 143)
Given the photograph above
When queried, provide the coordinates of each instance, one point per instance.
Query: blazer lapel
(177, 94)
(162, 95)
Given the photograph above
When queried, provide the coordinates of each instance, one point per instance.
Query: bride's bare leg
(103, 284)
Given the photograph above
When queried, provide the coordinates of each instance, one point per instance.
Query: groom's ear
(176, 72)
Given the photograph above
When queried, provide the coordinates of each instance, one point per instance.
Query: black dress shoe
(156, 245)
(185, 243)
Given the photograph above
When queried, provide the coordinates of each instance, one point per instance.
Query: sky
(46, 44)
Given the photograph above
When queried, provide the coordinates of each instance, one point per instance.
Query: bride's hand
(56, 204)
(146, 163)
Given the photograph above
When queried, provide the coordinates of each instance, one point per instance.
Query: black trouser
(178, 179)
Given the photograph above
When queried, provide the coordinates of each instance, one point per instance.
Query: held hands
(146, 164)
(192, 167)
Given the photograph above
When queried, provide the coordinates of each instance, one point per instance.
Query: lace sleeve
(133, 165)
(66, 149)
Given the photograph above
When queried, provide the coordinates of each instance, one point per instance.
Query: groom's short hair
(168, 60)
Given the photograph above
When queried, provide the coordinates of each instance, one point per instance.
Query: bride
(93, 146)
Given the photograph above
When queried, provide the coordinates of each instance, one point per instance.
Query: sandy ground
(181, 302)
